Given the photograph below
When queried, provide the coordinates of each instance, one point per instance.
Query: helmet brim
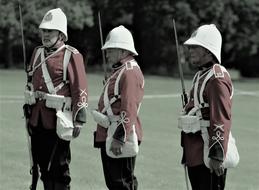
(119, 46)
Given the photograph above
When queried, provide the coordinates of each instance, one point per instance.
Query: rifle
(27, 111)
(183, 95)
(101, 37)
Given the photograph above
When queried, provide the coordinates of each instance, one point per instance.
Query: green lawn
(158, 164)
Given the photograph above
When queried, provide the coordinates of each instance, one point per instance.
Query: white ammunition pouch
(29, 97)
(189, 124)
(65, 125)
(54, 101)
(192, 122)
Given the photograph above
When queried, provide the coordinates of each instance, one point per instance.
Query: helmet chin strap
(54, 44)
(124, 55)
(208, 60)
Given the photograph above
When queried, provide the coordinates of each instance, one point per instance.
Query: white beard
(49, 42)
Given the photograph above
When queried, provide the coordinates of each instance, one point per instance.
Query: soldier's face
(198, 55)
(113, 55)
(49, 37)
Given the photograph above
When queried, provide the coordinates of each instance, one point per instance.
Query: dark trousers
(202, 179)
(119, 173)
(53, 158)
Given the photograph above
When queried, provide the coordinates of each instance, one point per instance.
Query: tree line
(150, 22)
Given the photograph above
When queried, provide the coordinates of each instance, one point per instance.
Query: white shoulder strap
(208, 76)
(46, 76)
(199, 103)
(37, 54)
(196, 83)
(107, 106)
(42, 51)
(66, 59)
(116, 87)
(107, 102)
(65, 63)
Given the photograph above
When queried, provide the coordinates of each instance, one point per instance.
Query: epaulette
(129, 66)
(72, 49)
(218, 71)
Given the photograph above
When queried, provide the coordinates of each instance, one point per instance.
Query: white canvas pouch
(54, 101)
(129, 149)
(65, 125)
(232, 156)
(189, 123)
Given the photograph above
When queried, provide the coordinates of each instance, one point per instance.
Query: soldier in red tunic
(57, 84)
(119, 103)
(206, 119)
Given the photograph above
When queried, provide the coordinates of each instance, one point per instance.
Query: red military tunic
(76, 88)
(131, 90)
(217, 93)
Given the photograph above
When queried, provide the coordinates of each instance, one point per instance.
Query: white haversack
(65, 125)
(130, 147)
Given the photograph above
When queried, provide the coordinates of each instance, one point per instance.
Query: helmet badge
(48, 17)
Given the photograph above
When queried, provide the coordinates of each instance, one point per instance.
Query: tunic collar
(122, 62)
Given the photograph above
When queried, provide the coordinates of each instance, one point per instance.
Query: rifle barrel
(178, 58)
(101, 37)
(184, 95)
(23, 40)
(33, 165)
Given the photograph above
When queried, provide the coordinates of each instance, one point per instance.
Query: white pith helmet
(55, 19)
(209, 37)
(120, 37)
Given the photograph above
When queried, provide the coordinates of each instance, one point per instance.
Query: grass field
(158, 164)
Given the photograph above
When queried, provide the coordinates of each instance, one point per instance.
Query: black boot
(61, 186)
(48, 185)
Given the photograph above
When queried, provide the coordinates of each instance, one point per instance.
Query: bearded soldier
(119, 130)
(57, 95)
(209, 148)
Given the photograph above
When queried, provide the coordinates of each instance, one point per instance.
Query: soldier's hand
(217, 167)
(77, 129)
(116, 147)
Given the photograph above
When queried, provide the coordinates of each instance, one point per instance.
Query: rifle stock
(183, 95)
(27, 111)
